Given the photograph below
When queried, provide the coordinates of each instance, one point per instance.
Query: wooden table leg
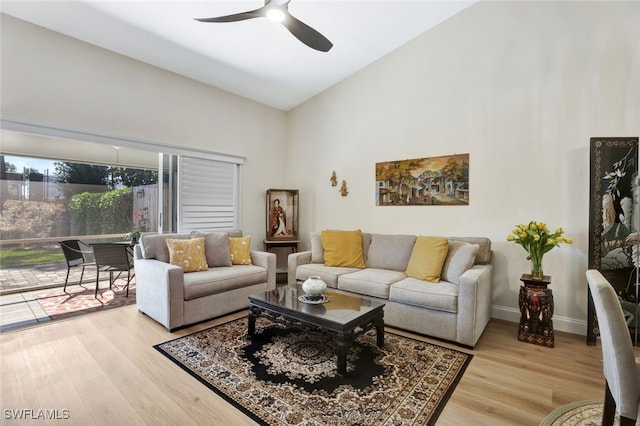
(254, 312)
(343, 342)
(380, 331)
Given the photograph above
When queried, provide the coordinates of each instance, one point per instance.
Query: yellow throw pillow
(188, 254)
(240, 249)
(343, 248)
(427, 258)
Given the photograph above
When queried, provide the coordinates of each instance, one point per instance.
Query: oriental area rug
(287, 376)
(79, 300)
(581, 413)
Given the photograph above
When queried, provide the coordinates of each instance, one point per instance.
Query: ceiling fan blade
(258, 13)
(306, 34)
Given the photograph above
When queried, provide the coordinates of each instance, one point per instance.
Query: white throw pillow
(460, 257)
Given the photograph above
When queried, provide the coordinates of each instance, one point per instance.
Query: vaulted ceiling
(255, 58)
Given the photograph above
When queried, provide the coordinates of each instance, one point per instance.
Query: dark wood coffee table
(343, 317)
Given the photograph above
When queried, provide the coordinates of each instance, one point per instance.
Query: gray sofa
(457, 308)
(175, 298)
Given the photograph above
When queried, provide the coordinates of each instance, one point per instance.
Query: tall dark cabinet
(614, 239)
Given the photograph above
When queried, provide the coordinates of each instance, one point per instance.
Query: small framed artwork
(282, 214)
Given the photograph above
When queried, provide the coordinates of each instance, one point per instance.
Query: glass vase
(536, 270)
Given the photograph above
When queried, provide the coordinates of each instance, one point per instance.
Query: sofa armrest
(267, 261)
(137, 252)
(160, 291)
(295, 259)
(474, 303)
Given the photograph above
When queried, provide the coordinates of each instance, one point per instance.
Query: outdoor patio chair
(113, 257)
(77, 254)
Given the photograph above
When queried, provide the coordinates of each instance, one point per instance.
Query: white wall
(51, 78)
(521, 86)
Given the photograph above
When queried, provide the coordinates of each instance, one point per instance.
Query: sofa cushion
(370, 281)
(411, 291)
(154, 246)
(216, 247)
(317, 252)
(187, 254)
(240, 250)
(366, 243)
(460, 257)
(343, 248)
(222, 279)
(484, 252)
(390, 251)
(329, 274)
(427, 258)
(235, 233)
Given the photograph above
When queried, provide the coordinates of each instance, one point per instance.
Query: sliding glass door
(99, 188)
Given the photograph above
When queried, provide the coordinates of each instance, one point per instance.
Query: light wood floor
(102, 368)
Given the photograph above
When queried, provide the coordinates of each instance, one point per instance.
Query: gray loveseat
(175, 298)
(457, 308)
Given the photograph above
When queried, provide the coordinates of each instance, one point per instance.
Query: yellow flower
(537, 240)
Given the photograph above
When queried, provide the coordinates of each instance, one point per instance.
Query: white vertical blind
(208, 195)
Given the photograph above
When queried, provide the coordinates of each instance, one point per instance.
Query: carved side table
(536, 308)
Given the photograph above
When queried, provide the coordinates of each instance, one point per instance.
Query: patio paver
(19, 279)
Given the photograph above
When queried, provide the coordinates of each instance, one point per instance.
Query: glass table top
(340, 308)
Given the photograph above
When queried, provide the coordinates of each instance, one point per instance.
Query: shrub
(102, 212)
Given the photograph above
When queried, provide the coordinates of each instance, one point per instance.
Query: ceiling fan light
(275, 15)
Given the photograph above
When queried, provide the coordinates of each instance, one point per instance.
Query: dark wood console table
(292, 244)
(281, 274)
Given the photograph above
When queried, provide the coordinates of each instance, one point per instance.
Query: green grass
(24, 257)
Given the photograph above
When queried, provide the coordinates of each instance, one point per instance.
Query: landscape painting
(426, 181)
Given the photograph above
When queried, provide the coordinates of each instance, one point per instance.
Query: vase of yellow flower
(536, 269)
(536, 239)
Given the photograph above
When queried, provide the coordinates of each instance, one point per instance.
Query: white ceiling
(255, 58)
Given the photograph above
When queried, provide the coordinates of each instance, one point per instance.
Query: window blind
(208, 195)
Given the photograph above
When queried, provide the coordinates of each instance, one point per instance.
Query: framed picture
(613, 225)
(426, 181)
(282, 214)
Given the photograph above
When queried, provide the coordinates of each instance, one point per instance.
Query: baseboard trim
(568, 325)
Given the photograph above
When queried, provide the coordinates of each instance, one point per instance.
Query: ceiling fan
(278, 11)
